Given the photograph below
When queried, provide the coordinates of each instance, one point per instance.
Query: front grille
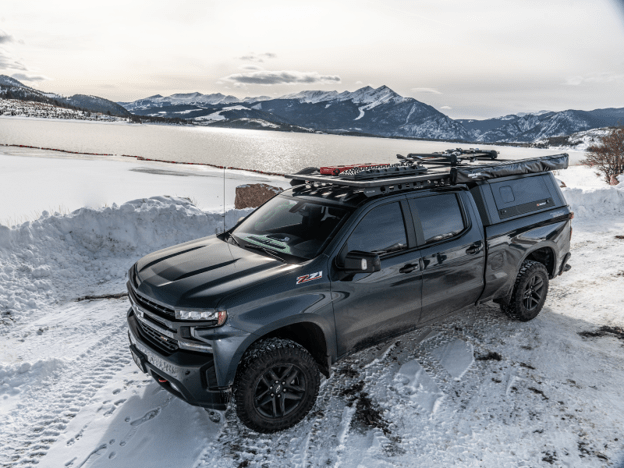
(163, 343)
(162, 311)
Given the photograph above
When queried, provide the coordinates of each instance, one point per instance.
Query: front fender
(267, 317)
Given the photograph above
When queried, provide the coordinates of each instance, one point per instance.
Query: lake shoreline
(267, 152)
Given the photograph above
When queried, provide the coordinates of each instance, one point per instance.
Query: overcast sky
(469, 59)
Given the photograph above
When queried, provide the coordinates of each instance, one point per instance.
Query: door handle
(408, 268)
(474, 248)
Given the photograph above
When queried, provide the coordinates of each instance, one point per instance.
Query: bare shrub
(607, 155)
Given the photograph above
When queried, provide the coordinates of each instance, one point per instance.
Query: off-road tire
(529, 292)
(273, 355)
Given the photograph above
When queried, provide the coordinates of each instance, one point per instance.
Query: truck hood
(199, 273)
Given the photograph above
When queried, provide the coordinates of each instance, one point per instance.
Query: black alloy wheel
(533, 291)
(529, 292)
(276, 385)
(279, 391)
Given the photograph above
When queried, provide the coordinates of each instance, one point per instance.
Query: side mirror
(358, 261)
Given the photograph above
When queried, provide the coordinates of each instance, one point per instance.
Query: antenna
(224, 198)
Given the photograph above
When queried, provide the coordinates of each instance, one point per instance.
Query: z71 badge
(310, 277)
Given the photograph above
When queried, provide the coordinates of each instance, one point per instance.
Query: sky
(468, 59)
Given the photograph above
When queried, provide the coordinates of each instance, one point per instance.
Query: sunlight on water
(248, 149)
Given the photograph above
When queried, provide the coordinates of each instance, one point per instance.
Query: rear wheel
(529, 293)
(276, 385)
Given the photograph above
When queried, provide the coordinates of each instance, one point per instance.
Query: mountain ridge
(379, 111)
(12, 88)
(367, 111)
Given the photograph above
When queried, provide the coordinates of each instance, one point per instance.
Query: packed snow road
(475, 390)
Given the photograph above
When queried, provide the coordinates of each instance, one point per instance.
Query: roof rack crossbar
(414, 174)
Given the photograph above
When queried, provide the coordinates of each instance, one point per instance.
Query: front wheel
(529, 293)
(276, 385)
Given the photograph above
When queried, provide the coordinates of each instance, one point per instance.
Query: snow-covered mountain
(10, 88)
(368, 110)
(379, 111)
(8, 81)
(541, 125)
(578, 141)
(374, 111)
(95, 104)
(180, 99)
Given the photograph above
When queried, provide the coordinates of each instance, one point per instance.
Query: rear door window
(381, 231)
(440, 216)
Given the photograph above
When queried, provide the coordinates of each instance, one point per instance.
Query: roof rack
(413, 172)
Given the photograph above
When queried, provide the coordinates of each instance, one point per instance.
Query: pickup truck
(338, 263)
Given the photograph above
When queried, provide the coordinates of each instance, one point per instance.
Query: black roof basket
(418, 171)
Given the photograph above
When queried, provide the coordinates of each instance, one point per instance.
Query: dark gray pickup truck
(341, 262)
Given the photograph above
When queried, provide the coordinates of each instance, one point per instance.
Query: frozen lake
(248, 149)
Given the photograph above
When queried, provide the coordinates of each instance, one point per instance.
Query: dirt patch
(616, 332)
(490, 356)
(103, 296)
(527, 366)
(550, 457)
(349, 372)
(368, 415)
(619, 237)
(537, 391)
(353, 390)
(586, 450)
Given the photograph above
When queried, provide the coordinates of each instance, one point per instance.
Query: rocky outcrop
(254, 195)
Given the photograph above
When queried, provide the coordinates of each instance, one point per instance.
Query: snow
(38, 181)
(217, 115)
(367, 95)
(179, 99)
(418, 386)
(13, 108)
(473, 390)
(456, 357)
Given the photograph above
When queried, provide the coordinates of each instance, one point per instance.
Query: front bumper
(188, 375)
(565, 266)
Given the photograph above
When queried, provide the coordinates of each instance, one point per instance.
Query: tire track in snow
(315, 441)
(55, 405)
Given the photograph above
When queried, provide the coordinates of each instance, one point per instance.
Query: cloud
(5, 38)
(426, 90)
(593, 78)
(358, 82)
(266, 77)
(250, 67)
(32, 78)
(253, 57)
(446, 107)
(7, 62)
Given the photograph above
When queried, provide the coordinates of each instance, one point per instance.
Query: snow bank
(589, 202)
(64, 256)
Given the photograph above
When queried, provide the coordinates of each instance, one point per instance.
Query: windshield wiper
(267, 251)
(228, 235)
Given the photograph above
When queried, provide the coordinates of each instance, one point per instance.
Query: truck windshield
(300, 228)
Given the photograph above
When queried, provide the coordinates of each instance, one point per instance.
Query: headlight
(209, 315)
